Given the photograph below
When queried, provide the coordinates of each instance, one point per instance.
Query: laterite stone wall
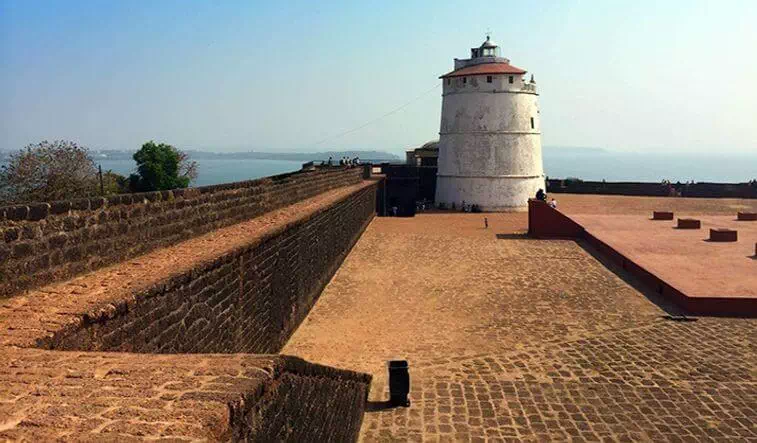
(250, 300)
(308, 403)
(45, 242)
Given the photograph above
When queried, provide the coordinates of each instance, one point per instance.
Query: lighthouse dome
(487, 49)
(488, 44)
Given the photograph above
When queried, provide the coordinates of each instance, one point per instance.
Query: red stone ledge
(545, 222)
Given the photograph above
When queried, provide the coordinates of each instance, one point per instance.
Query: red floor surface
(684, 258)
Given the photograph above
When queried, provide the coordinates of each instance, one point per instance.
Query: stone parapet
(206, 304)
(45, 242)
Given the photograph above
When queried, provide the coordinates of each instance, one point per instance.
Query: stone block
(22, 249)
(114, 200)
(5, 252)
(60, 207)
(11, 234)
(96, 203)
(17, 213)
(81, 204)
(662, 215)
(746, 216)
(38, 211)
(689, 223)
(723, 235)
(58, 240)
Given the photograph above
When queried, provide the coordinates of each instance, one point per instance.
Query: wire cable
(393, 111)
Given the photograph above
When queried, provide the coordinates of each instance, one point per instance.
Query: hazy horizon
(640, 77)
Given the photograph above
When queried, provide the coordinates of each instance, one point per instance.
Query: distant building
(426, 155)
(489, 137)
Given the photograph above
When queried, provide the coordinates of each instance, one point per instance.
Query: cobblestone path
(517, 339)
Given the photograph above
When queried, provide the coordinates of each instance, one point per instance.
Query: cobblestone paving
(518, 339)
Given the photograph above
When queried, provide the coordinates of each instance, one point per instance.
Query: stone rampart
(46, 242)
(248, 300)
(65, 396)
(189, 331)
(704, 190)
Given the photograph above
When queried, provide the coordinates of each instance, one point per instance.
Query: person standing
(541, 195)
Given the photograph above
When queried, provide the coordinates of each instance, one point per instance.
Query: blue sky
(281, 76)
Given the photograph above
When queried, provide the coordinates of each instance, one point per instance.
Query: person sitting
(553, 203)
(541, 195)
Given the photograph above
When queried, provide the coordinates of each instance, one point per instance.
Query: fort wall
(705, 190)
(45, 242)
(249, 300)
(192, 338)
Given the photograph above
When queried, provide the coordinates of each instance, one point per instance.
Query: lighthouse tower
(489, 138)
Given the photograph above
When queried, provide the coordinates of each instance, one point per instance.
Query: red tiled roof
(485, 69)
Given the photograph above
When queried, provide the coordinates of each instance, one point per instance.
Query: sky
(645, 76)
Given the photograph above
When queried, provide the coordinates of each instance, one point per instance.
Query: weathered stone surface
(689, 223)
(662, 215)
(49, 395)
(524, 340)
(38, 211)
(162, 218)
(238, 289)
(724, 235)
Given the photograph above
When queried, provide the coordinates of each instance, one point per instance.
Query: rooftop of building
(485, 69)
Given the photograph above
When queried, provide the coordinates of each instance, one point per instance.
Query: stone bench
(746, 216)
(662, 215)
(689, 223)
(723, 235)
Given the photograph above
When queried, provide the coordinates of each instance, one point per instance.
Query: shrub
(48, 171)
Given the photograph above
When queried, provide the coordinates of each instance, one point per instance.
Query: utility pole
(100, 173)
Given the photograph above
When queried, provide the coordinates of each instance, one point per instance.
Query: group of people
(541, 195)
(470, 207)
(344, 161)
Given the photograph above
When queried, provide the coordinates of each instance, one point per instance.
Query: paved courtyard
(516, 339)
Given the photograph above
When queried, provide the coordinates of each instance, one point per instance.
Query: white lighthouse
(489, 138)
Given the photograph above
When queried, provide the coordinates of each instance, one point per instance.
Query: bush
(114, 183)
(48, 171)
(161, 167)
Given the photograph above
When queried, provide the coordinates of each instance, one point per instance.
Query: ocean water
(558, 163)
(650, 167)
(215, 171)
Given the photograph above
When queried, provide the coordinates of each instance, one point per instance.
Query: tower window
(532, 123)
(510, 79)
(488, 79)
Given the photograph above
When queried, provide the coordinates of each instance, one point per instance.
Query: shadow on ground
(661, 302)
(514, 236)
(377, 406)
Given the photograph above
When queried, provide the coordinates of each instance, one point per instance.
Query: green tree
(114, 183)
(161, 167)
(48, 171)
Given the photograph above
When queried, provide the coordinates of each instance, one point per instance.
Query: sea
(215, 171)
(558, 163)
